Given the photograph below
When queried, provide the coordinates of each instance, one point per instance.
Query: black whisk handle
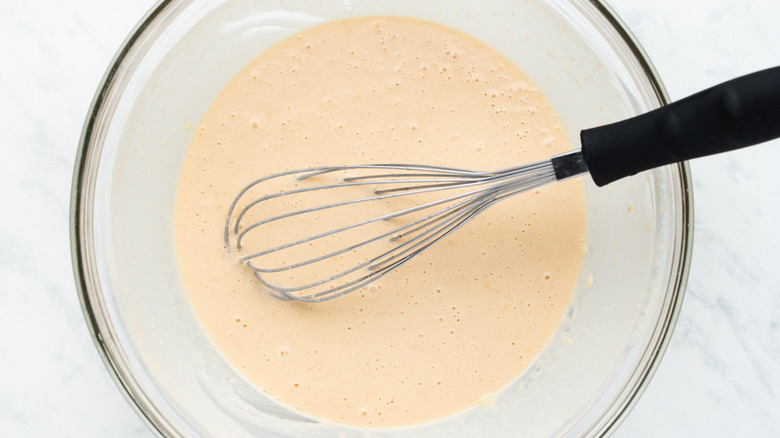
(732, 115)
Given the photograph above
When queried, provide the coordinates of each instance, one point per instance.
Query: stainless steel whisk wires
(732, 115)
(476, 191)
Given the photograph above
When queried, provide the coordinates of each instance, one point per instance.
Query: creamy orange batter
(454, 325)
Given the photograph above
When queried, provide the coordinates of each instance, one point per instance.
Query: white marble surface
(720, 376)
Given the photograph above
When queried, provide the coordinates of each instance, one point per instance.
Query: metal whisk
(406, 208)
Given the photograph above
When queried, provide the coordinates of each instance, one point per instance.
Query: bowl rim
(90, 292)
(82, 250)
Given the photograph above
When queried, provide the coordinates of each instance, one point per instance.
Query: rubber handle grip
(735, 114)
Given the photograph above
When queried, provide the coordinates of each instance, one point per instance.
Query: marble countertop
(720, 376)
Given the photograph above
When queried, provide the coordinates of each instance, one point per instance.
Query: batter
(447, 329)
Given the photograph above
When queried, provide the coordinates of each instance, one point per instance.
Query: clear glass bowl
(166, 74)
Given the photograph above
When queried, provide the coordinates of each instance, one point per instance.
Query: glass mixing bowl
(168, 71)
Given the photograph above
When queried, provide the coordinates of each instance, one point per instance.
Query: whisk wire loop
(475, 192)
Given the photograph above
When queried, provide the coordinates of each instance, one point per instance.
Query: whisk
(304, 246)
